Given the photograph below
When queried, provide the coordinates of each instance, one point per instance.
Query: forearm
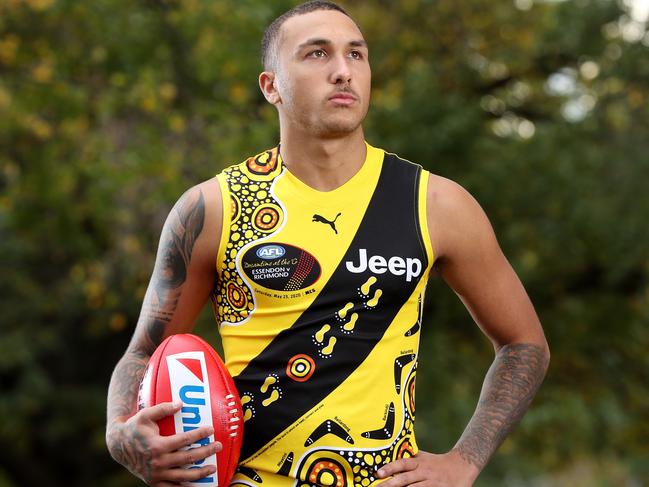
(509, 387)
(122, 402)
(124, 386)
(125, 382)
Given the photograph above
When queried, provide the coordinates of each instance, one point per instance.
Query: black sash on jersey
(390, 227)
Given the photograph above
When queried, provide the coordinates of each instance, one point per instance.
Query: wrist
(469, 470)
(114, 436)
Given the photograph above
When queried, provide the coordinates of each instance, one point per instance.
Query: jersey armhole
(226, 208)
(426, 234)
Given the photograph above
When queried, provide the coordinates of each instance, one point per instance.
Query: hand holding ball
(185, 368)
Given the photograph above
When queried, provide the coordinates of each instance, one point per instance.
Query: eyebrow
(325, 42)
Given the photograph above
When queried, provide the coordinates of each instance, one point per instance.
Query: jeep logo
(377, 264)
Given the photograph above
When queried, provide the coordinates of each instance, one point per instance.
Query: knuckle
(155, 463)
(177, 475)
(185, 474)
(203, 432)
(190, 436)
(156, 449)
(196, 435)
(196, 454)
(199, 473)
(142, 415)
(189, 457)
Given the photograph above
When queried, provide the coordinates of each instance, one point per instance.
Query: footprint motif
(320, 334)
(365, 288)
(270, 380)
(274, 396)
(342, 314)
(349, 326)
(375, 300)
(328, 350)
(248, 408)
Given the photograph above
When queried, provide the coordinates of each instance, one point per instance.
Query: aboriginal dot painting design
(255, 214)
(356, 467)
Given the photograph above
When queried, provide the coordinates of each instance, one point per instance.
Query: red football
(186, 368)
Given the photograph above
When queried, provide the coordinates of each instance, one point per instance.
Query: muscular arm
(183, 277)
(471, 262)
(177, 240)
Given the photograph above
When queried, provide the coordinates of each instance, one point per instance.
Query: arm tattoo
(507, 392)
(180, 232)
(179, 235)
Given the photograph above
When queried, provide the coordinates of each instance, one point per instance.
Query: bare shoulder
(207, 194)
(211, 191)
(455, 218)
(201, 209)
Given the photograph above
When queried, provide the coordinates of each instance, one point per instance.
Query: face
(323, 78)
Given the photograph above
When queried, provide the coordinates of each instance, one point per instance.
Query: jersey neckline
(365, 177)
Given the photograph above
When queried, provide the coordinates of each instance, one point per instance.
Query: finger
(402, 465)
(189, 474)
(188, 457)
(160, 411)
(176, 442)
(402, 479)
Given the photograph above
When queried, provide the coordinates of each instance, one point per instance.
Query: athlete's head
(269, 43)
(316, 70)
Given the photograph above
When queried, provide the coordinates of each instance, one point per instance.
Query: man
(323, 245)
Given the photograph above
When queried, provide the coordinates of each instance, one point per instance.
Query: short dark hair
(269, 41)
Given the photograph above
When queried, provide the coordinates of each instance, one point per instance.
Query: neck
(324, 164)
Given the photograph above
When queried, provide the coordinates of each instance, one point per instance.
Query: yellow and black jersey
(319, 300)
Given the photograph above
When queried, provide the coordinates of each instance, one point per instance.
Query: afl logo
(270, 252)
(280, 266)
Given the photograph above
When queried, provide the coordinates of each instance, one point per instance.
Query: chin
(337, 128)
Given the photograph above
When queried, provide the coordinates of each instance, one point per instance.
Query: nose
(341, 72)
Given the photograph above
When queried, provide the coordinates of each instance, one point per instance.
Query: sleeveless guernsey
(319, 300)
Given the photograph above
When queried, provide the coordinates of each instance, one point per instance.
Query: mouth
(343, 98)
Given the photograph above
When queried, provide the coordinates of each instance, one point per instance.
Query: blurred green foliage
(110, 109)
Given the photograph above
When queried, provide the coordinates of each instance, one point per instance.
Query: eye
(318, 53)
(356, 55)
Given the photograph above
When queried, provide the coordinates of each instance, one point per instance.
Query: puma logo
(322, 219)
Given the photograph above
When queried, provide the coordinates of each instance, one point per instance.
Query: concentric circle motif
(263, 163)
(236, 296)
(254, 214)
(266, 218)
(404, 449)
(328, 473)
(300, 368)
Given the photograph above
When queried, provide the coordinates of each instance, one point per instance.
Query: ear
(267, 83)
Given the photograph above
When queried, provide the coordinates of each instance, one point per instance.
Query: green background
(110, 109)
